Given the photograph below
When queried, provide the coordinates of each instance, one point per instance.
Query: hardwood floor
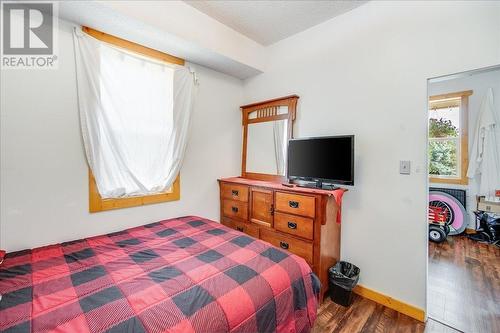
(367, 316)
(464, 284)
(362, 316)
(464, 292)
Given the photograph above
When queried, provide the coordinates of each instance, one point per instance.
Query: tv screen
(325, 159)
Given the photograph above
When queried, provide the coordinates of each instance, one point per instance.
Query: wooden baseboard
(391, 303)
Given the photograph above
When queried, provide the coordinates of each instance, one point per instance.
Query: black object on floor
(343, 277)
(489, 228)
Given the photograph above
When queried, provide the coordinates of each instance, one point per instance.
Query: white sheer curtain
(280, 132)
(135, 114)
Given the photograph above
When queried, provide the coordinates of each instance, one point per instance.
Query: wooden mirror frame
(266, 111)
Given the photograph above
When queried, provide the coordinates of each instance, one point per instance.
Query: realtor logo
(28, 34)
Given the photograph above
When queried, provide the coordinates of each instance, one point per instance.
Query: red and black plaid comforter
(180, 275)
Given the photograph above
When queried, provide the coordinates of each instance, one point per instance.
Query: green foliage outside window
(442, 128)
(443, 153)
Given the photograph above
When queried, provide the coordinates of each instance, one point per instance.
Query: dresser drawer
(247, 228)
(301, 248)
(295, 204)
(294, 225)
(235, 209)
(234, 192)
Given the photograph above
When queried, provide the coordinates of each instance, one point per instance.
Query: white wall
(43, 179)
(479, 83)
(365, 73)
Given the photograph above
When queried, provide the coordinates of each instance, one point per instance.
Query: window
(96, 202)
(448, 148)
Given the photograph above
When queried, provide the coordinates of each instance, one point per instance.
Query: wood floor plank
(363, 315)
(374, 320)
(464, 284)
(357, 317)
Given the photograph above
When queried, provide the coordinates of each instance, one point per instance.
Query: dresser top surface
(279, 186)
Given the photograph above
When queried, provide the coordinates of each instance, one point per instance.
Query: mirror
(267, 147)
(267, 127)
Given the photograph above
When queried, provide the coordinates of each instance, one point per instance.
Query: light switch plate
(404, 167)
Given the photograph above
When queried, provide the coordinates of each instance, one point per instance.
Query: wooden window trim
(464, 137)
(459, 94)
(133, 47)
(96, 203)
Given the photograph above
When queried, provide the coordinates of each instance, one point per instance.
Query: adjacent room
(464, 220)
(250, 166)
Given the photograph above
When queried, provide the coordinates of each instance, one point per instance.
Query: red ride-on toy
(440, 218)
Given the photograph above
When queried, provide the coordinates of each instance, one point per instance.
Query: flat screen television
(328, 159)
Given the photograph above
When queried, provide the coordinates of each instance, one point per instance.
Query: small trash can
(342, 278)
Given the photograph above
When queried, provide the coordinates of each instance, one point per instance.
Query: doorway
(463, 290)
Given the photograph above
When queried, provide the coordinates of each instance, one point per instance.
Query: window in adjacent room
(448, 148)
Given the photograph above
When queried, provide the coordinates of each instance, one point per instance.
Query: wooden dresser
(300, 220)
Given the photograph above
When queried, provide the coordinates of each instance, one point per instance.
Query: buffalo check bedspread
(186, 274)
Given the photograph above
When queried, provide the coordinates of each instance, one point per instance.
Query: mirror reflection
(267, 147)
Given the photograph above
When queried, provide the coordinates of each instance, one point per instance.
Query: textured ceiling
(267, 22)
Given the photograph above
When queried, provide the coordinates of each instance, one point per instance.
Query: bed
(187, 274)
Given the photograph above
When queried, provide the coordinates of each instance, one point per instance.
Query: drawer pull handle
(284, 245)
(293, 204)
(234, 209)
(235, 193)
(292, 225)
(239, 229)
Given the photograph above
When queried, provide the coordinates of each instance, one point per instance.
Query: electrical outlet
(404, 167)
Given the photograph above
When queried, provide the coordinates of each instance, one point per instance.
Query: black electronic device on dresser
(321, 161)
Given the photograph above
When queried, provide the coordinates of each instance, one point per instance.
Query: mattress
(187, 274)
